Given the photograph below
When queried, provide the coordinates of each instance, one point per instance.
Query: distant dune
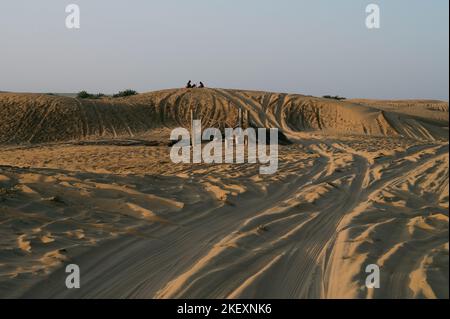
(35, 118)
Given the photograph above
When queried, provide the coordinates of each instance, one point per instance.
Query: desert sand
(91, 182)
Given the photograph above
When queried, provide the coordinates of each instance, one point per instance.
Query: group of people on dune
(189, 85)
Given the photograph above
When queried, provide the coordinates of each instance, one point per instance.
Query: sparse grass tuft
(125, 93)
(86, 95)
(336, 97)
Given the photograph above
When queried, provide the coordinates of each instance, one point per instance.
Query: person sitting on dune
(189, 85)
(201, 85)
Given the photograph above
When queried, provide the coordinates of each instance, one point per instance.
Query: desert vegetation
(334, 97)
(86, 95)
(125, 93)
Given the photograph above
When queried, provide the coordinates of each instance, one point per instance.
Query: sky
(314, 47)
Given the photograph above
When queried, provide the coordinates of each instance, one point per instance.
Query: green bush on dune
(336, 97)
(83, 95)
(86, 95)
(125, 93)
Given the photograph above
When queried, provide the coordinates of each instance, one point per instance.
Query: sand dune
(364, 182)
(31, 118)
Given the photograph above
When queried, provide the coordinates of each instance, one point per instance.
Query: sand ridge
(34, 118)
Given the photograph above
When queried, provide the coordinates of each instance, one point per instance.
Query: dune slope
(31, 118)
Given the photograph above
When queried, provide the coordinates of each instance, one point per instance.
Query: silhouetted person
(201, 85)
(194, 86)
(189, 85)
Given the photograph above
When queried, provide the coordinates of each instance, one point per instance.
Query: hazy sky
(312, 47)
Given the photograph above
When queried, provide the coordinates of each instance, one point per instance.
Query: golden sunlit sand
(91, 182)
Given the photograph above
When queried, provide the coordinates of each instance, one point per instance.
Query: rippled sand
(140, 226)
